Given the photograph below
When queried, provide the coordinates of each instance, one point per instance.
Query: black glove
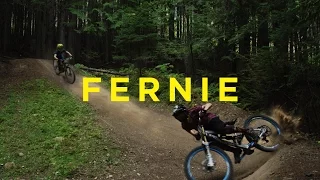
(198, 137)
(202, 113)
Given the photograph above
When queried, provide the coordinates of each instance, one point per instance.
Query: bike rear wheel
(196, 168)
(272, 136)
(70, 76)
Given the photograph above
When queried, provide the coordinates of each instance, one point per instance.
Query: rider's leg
(236, 151)
(249, 133)
(218, 126)
(222, 128)
(60, 65)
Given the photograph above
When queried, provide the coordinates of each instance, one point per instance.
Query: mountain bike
(216, 162)
(66, 69)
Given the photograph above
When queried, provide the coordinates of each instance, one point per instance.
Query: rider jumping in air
(59, 55)
(189, 119)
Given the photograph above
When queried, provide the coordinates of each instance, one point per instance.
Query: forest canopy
(271, 46)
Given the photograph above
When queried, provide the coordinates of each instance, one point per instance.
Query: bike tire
(73, 76)
(199, 149)
(271, 121)
(55, 67)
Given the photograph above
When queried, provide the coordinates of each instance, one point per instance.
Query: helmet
(180, 112)
(177, 109)
(59, 46)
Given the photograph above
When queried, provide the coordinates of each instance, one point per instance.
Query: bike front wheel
(195, 165)
(70, 76)
(271, 138)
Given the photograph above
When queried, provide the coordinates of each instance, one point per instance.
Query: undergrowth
(47, 133)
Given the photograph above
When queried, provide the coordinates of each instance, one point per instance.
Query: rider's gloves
(202, 113)
(198, 137)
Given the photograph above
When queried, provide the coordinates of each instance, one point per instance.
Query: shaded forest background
(271, 46)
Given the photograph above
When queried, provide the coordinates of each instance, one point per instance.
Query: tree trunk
(50, 31)
(61, 27)
(38, 33)
(178, 22)
(291, 47)
(254, 32)
(108, 41)
(263, 31)
(297, 47)
(171, 22)
(281, 41)
(304, 50)
(244, 43)
(7, 27)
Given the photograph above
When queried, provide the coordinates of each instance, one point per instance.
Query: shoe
(248, 151)
(237, 156)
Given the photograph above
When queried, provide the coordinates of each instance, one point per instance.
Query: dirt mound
(297, 158)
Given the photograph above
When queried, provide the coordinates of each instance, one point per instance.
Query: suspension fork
(207, 152)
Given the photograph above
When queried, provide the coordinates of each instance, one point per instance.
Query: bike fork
(209, 156)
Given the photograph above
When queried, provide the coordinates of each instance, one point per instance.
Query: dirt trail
(157, 140)
(156, 145)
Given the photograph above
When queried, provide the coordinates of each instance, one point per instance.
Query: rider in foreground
(189, 119)
(59, 55)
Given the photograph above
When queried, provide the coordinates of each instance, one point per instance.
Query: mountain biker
(59, 55)
(189, 119)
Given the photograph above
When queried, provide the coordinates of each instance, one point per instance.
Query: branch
(103, 71)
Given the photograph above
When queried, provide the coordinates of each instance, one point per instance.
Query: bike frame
(204, 134)
(64, 63)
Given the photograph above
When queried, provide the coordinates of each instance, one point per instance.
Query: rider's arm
(55, 56)
(68, 53)
(207, 106)
(193, 132)
(204, 108)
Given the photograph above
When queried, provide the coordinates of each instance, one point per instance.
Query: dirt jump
(156, 145)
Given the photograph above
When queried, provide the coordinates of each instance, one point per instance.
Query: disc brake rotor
(206, 167)
(268, 130)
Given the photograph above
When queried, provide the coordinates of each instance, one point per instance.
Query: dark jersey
(60, 54)
(193, 120)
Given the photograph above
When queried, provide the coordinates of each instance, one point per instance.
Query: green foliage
(170, 51)
(135, 28)
(219, 37)
(55, 132)
(90, 56)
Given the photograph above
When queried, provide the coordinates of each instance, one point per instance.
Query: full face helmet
(59, 46)
(180, 112)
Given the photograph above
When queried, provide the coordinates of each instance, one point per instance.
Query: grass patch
(50, 134)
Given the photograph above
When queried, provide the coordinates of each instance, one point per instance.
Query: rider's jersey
(193, 119)
(60, 54)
